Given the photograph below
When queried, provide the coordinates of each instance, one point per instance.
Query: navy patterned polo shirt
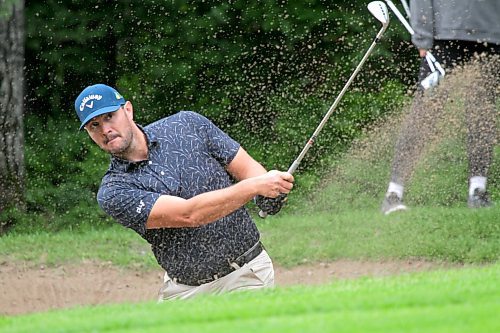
(187, 157)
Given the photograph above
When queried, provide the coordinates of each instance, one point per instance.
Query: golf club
(432, 79)
(379, 11)
(406, 7)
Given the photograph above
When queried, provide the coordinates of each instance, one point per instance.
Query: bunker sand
(28, 289)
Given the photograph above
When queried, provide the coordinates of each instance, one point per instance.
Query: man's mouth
(110, 138)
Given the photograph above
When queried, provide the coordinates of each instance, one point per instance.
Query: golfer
(458, 32)
(181, 183)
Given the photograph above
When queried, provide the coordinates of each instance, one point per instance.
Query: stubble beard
(125, 147)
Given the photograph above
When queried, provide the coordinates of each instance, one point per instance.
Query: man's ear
(129, 110)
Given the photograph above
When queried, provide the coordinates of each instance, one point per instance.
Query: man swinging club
(172, 183)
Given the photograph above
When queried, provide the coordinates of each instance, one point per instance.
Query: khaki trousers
(258, 273)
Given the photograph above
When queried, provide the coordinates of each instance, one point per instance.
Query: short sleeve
(128, 205)
(220, 145)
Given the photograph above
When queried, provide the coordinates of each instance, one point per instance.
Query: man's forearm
(175, 212)
(211, 206)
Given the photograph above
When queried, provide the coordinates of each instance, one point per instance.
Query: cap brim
(98, 113)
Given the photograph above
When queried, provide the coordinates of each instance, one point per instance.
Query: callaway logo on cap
(96, 100)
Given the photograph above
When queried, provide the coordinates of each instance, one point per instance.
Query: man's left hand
(271, 206)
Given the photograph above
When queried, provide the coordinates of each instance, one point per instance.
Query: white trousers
(258, 273)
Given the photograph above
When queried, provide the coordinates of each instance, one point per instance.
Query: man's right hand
(273, 189)
(274, 183)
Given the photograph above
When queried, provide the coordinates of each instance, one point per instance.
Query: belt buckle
(207, 280)
(233, 265)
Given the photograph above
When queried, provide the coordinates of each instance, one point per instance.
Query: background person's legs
(417, 130)
(481, 114)
(419, 126)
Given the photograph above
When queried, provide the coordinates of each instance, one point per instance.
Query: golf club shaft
(400, 16)
(310, 142)
(406, 7)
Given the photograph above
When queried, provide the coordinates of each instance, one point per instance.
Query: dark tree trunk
(11, 104)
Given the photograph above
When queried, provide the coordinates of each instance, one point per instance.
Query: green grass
(114, 244)
(465, 300)
(437, 233)
(432, 233)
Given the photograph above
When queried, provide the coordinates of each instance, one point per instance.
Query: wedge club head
(379, 11)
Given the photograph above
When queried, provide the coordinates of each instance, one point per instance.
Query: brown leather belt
(231, 266)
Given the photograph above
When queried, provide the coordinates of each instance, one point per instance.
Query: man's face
(112, 131)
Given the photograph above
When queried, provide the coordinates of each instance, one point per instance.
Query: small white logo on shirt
(140, 207)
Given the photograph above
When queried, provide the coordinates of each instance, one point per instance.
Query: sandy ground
(27, 289)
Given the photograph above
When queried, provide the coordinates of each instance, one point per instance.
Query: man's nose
(105, 127)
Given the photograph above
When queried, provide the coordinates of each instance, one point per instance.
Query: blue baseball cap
(96, 100)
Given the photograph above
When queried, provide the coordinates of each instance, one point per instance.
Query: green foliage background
(264, 71)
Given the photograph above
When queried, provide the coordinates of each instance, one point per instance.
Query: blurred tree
(265, 71)
(11, 104)
(69, 45)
